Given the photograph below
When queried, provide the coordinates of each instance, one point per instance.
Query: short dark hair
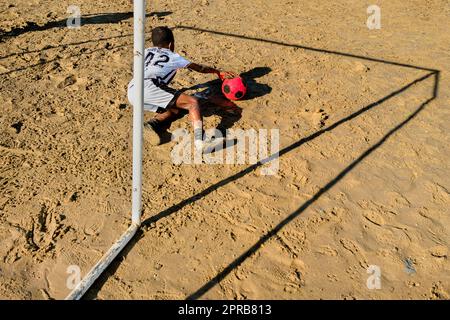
(162, 36)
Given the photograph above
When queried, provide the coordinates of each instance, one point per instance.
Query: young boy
(161, 65)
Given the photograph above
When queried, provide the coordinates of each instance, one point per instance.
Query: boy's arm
(204, 69)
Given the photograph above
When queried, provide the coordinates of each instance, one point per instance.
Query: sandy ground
(364, 170)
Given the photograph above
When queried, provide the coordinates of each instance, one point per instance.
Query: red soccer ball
(234, 89)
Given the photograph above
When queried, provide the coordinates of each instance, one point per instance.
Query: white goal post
(138, 123)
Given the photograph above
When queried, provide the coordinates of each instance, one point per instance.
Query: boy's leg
(226, 105)
(164, 119)
(177, 108)
(164, 99)
(191, 104)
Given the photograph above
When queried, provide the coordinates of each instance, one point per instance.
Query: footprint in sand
(68, 81)
(46, 229)
(356, 251)
(318, 118)
(94, 224)
(374, 217)
(440, 194)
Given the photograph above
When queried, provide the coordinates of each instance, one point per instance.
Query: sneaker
(151, 134)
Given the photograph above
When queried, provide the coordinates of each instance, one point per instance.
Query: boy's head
(163, 37)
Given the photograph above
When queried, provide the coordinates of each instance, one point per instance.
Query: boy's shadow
(213, 102)
(231, 113)
(255, 89)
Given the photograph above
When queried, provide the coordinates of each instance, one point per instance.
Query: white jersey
(161, 65)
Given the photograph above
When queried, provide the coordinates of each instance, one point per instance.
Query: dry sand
(355, 192)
